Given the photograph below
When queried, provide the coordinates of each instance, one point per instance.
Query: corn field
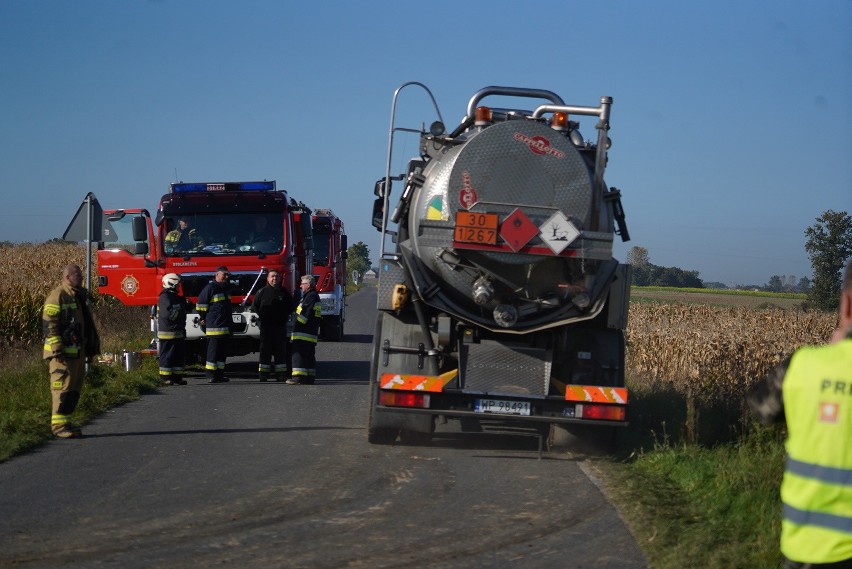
(715, 351)
(28, 272)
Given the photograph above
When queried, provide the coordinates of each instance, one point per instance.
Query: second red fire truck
(329, 270)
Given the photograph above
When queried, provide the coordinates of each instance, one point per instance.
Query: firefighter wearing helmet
(171, 331)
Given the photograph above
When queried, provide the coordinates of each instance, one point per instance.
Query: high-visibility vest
(817, 487)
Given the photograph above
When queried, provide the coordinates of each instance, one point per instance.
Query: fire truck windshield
(242, 233)
(322, 244)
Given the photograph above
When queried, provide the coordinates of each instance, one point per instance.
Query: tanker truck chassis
(499, 300)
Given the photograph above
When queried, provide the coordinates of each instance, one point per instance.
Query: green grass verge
(25, 401)
(698, 484)
(692, 506)
(732, 292)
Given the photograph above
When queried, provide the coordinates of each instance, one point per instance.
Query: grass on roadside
(25, 399)
(715, 504)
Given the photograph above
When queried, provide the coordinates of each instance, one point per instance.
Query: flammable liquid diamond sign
(558, 232)
(517, 230)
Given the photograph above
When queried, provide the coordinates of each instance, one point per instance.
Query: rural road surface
(248, 474)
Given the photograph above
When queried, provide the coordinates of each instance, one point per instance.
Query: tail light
(404, 399)
(601, 412)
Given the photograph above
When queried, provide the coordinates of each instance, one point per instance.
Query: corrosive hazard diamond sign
(558, 232)
(517, 230)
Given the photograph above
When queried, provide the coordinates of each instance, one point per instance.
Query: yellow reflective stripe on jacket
(165, 335)
(304, 337)
(51, 309)
(817, 489)
(218, 331)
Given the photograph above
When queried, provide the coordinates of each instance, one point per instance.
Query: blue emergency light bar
(183, 188)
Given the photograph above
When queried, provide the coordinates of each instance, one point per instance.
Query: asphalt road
(248, 474)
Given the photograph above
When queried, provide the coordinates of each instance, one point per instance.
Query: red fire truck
(250, 227)
(329, 270)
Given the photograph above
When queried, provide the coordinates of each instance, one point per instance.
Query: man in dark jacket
(70, 341)
(214, 308)
(305, 330)
(171, 331)
(273, 305)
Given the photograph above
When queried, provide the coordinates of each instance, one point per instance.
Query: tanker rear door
(127, 258)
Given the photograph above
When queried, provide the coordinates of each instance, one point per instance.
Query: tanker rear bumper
(462, 405)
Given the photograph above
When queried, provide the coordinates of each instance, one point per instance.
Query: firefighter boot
(68, 432)
(178, 380)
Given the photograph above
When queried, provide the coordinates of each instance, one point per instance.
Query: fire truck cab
(329, 270)
(250, 227)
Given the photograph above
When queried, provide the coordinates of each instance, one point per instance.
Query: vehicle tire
(581, 439)
(332, 328)
(379, 431)
(418, 429)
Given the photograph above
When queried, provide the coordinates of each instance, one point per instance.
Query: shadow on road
(220, 431)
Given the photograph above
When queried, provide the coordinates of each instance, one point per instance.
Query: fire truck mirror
(344, 244)
(140, 229)
(141, 249)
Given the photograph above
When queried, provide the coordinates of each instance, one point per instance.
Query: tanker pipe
(600, 161)
(511, 92)
(602, 112)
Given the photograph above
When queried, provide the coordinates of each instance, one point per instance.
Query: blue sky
(731, 122)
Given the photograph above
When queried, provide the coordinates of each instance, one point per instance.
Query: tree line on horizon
(829, 247)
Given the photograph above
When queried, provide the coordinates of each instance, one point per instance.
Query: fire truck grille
(495, 368)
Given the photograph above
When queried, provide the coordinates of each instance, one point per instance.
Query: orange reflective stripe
(433, 383)
(593, 394)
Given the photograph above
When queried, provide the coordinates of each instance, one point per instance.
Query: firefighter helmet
(171, 281)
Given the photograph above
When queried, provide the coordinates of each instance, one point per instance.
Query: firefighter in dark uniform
(214, 308)
(171, 331)
(810, 392)
(273, 304)
(70, 341)
(305, 330)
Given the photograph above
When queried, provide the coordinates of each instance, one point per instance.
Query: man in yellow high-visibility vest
(812, 392)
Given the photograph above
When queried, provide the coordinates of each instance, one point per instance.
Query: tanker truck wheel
(581, 439)
(379, 432)
(384, 427)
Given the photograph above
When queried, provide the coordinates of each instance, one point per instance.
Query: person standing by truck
(305, 331)
(214, 308)
(809, 392)
(171, 331)
(273, 304)
(70, 342)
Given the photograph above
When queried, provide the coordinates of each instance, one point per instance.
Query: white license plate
(502, 407)
(238, 318)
